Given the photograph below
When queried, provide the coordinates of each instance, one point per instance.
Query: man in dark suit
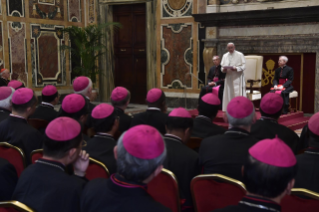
(225, 154)
(215, 78)
(180, 159)
(8, 180)
(203, 123)
(267, 127)
(120, 98)
(140, 153)
(6, 94)
(268, 175)
(44, 186)
(155, 115)
(4, 77)
(284, 75)
(15, 129)
(100, 147)
(308, 162)
(45, 110)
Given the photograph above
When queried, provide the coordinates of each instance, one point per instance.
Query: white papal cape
(235, 81)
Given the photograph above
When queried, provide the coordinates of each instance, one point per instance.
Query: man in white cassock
(234, 65)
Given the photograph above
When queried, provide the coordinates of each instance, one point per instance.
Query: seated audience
(225, 154)
(308, 162)
(45, 110)
(15, 129)
(120, 98)
(4, 77)
(155, 115)
(83, 85)
(203, 123)
(140, 153)
(267, 127)
(268, 176)
(105, 124)
(8, 180)
(44, 186)
(180, 159)
(15, 84)
(6, 94)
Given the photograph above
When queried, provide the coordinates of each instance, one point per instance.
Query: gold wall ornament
(269, 74)
(176, 4)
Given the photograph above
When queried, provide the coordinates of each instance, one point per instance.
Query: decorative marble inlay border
(48, 2)
(74, 11)
(15, 8)
(180, 8)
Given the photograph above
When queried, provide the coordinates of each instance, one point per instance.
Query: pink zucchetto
(5, 92)
(271, 103)
(211, 99)
(63, 129)
(119, 94)
(180, 113)
(22, 96)
(153, 95)
(49, 90)
(102, 111)
(81, 83)
(143, 142)
(273, 152)
(240, 107)
(313, 124)
(15, 84)
(73, 103)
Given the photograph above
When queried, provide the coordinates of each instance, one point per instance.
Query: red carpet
(293, 121)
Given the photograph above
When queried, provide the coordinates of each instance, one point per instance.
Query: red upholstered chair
(164, 189)
(36, 154)
(14, 155)
(213, 191)
(38, 123)
(14, 206)
(294, 203)
(194, 143)
(96, 169)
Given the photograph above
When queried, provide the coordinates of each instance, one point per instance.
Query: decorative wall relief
(1, 46)
(17, 51)
(177, 8)
(48, 62)
(269, 74)
(176, 56)
(74, 10)
(91, 11)
(46, 9)
(15, 8)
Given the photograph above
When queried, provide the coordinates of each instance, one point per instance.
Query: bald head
(231, 47)
(5, 74)
(216, 60)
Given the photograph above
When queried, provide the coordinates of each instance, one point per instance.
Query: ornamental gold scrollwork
(269, 74)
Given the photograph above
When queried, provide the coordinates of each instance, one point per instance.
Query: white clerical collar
(153, 108)
(17, 116)
(173, 136)
(46, 103)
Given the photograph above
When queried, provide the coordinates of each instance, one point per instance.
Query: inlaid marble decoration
(177, 8)
(15, 8)
(17, 51)
(74, 10)
(46, 9)
(50, 2)
(176, 56)
(91, 11)
(2, 65)
(48, 61)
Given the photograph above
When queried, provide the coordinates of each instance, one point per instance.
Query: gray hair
(216, 56)
(6, 70)
(84, 91)
(285, 58)
(133, 168)
(6, 103)
(231, 44)
(247, 121)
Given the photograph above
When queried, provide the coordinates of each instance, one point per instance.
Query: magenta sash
(216, 90)
(215, 79)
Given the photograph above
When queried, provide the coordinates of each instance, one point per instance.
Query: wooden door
(130, 50)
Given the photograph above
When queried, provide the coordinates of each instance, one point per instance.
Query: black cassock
(88, 123)
(154, 118)
(125, 120)
(252, 204)
(204, 127)
(308, 172)
(4, 82)
(45, 187)
(269, 128)
(226, 154)
(183, 162)
(100, 147)
(8, 180)
(4, 114)
(44, 112)
(17, 132)
(285, 73)
(304, 136)
(118, 195)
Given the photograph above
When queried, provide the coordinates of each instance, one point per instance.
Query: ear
(115, 152)
(72, 152)
(83, 119)
(290, 185)
(158, 170)
(187, 132)
(116, 125)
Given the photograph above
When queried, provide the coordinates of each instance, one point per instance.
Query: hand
(280, 87)
(81, 164)
(212, 84)
(234, 68)
(275, 87)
